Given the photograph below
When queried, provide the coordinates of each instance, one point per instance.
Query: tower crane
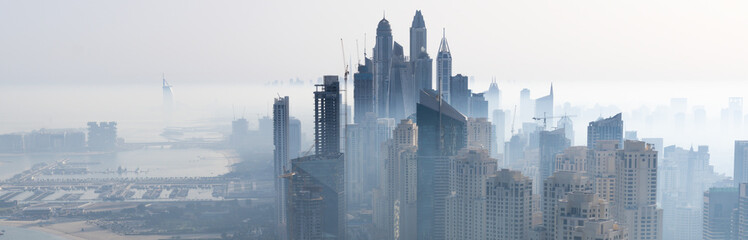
(545, 118)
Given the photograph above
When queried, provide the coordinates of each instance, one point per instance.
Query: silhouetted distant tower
(605, 129)
(444, 70)
(363, 91)
(459, 94)
(168, 95)
(493, 96)
(544, 107)
(419, 58)
(382, 65)
(478, 106)
(417, 36)
(402, 94)
(568, 126)
(741, 162)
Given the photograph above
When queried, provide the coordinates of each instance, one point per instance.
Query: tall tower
(363, 91)
(459, 94)
(466, 204)
(444, 70)
(544, 107)
(400, 182)
(168, 95)
(326, 117)
(315, 203)
(568, 126)
(508, 206)
(601, 166)
(281, 161)
(493, 96)
(441, 134)
(382, 66)
(551, 143)
(417, 36)
(605, 129)
(636, 191)
(720, 205)
(741, 162)
(419, 58)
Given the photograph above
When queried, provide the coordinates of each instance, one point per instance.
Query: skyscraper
(382, 66)
(326, 117)
(601, 166)
(551, 143)
(418, 36)
(720, 206)
(316, 193)
(526, 106)
(294, 138)
(508, 206)
(568, 126)
(466, 204)
(460, 94)
(444, 70)
(741, 162)
(605, 129)
(636, 191)
(499, 123)
(363, 91)
(555, 188)
(403, 95)
(478, 106)
(544, 107)
(493, 96)
(400, 173)
(442, 132)
(282, 165)
(419, 57)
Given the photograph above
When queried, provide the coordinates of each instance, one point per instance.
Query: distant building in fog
(720, 209)
(605, 129)
(460, 94)
(741, 162)
(102, 136)
(568, 126)
(550, 144)
(478, 106)
(544, 107)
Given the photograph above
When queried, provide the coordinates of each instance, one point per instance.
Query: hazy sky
(124, 42)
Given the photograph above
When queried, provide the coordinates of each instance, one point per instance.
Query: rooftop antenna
(364, 48)
(358, 55)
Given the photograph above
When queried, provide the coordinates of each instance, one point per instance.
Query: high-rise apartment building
(460, 94)
(400, 182)
(573, 159)
(479, 134)
(555, 188)
(636, 191)
(508, 206)
(605, 129)
(442, 132)
(551, 143)
(601, 167)
(478, 106)
(466, 204)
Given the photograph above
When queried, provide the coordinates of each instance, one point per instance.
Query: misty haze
(530, 120)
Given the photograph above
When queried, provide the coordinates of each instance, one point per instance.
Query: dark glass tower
(460, 94)
(327, 117)
(363, 91)
(551, 143)
(442, 132)
(382, 65)
(419, 58)
(605, 129)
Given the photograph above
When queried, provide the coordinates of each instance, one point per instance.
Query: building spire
(443, 46)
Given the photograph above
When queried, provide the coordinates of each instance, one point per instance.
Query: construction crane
(545, 119)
